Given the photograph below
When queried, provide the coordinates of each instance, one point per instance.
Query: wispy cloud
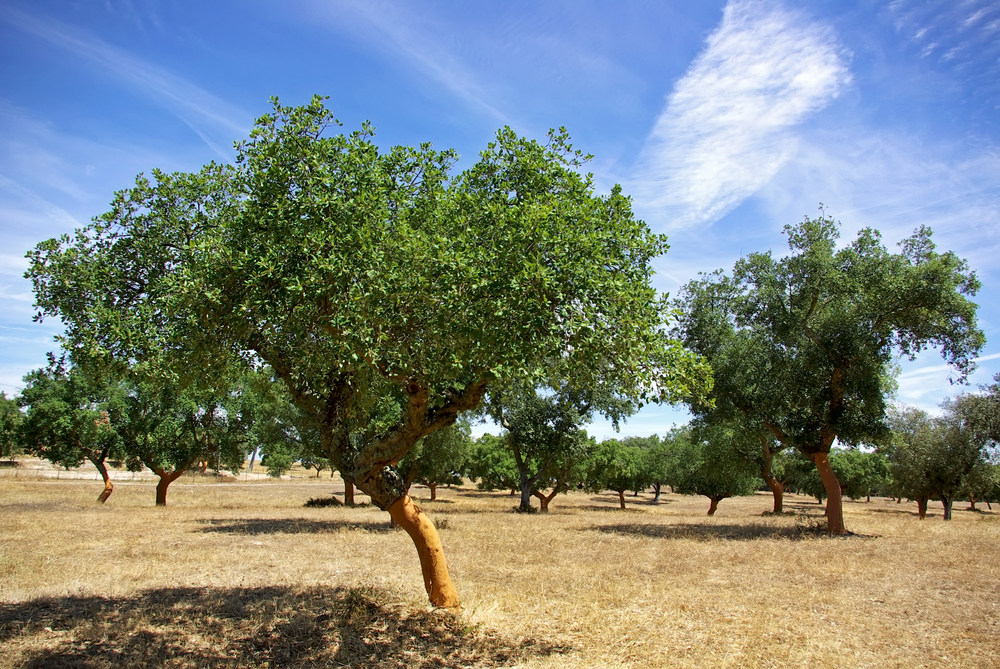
(728, 126)
(410, 34)
(210, 117)
(961, 36)
(926, 387)
(37, 204)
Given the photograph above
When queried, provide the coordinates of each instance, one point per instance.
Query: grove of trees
(330, 302)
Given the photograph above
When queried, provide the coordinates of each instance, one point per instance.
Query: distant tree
(938, 458)
(909, 456)
(492, 463)
(658, 461)
(278, 460)
(544, 432)
(983, 484)
(11, 420)
(859, 472)
(439, 458)
(619, 467)
(800, 474)
(710, 463)
(67, 419)
(168, 427)
(803, 345)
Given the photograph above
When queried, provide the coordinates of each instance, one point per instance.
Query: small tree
(710, 464)
(543, 430)
(439, 458)
(859, 472)
(493, 464)
(11, 421)
(67, 419)
(619, 467)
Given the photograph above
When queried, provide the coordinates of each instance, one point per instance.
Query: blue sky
(724, 120)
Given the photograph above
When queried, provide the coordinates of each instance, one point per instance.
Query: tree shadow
(252, 526)
(240, 627)
(741, 532)
(609, 508)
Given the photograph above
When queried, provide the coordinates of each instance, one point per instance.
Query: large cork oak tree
(802, 346)
(361, 275)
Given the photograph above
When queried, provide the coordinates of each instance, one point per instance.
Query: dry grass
(244, 575)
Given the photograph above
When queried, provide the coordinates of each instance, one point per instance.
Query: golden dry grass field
(242, 574)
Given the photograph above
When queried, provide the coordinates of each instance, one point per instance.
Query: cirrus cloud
(729, 122)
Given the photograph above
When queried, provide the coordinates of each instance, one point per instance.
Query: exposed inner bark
(834, 500)
(434, 491)
(108, 487)
(922, 507)
(543, 499)
(714, 505)
(433, 565)
(621, 499)
(166, 478)
(348, 493)
(778, 490)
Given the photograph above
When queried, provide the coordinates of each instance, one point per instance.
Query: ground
(242, 574)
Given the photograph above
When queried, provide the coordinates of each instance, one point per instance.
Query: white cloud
(728, 126)
(207, 115)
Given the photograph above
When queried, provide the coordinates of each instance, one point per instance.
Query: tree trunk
(166, 478)
(621, 499)
(778, 491)
(656, 489)
(434, 491)
(972, 503)
(834, 501)
(108, 488)
(525, 494)
(543, 500)
(714, 505)
(253, 458)
(947, 502)
(922, 507)
(348, 493)
(437, 581)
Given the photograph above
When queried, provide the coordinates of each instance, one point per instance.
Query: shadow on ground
(250, 526)
(249, 627)
(806, 528)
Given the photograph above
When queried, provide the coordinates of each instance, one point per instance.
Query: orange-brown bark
(108, 487)
(543, 500)
(834, 501)
(778, 490)
(166, 478)
(714, 505)
(348, 493)
(621, 499)
(433, 565)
